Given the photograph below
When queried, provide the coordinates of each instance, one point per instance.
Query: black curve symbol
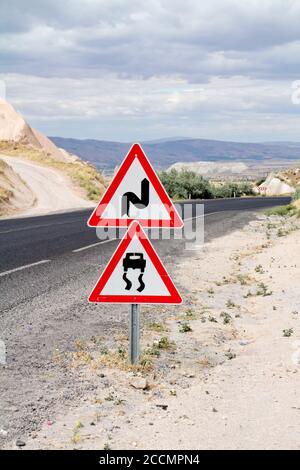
(128, 282)
(132, 198)
(142, 284)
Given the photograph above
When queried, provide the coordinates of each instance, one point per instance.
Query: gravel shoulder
(230, 380)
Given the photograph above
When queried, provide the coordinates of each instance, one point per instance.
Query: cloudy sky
(134, 70)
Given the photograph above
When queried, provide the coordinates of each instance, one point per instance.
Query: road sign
(135, 193)
(135, 274)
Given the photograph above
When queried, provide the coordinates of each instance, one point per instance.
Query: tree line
(187, 184)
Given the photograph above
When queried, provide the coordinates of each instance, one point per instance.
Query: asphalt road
(44, 308)
(28, 240)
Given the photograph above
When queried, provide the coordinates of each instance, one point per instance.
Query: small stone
(184, 417)
(20, 443)
(140, 383)
(214, 410)
(230, 355)
(163, 407)
(189, 375)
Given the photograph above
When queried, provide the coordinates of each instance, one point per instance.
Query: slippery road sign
(135, 193)
(135, 274)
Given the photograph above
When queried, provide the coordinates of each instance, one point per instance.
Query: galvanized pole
(134, 339)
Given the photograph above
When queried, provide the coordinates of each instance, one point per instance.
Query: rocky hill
(14, 193)
(210, 169)
(283, 182)
(14, 128)
(291, 176)
(166, 152)
(19, 139)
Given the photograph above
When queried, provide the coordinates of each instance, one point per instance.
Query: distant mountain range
(165, 152)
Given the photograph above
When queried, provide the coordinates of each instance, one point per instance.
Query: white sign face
(135, 193)
(135, 274)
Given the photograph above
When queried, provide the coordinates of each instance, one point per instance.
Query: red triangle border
(136, 151)
(135, 228)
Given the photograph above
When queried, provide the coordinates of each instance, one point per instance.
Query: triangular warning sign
(135, 193)
(135, 274)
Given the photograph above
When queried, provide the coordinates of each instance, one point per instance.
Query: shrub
(296, 195)
(185, 327)
(284, 211)
(233, 190)
(187, 184)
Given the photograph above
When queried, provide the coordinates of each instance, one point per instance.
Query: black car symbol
(134, 261)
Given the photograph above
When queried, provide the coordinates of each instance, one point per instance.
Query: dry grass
(205, 362)
(290, 176)
(81, 173)
(297, 206)
(93, 354)
(2, 166)
(155, 326)
(81, 358)
(5, 195)
(96, 357)
(236, 278)
(115, 360)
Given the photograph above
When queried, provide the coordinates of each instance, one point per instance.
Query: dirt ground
(219, 372)
(48, 190)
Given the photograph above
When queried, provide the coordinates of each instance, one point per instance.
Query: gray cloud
(137, 38)
(243, 53)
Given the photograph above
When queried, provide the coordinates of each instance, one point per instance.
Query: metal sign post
(134, 337)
